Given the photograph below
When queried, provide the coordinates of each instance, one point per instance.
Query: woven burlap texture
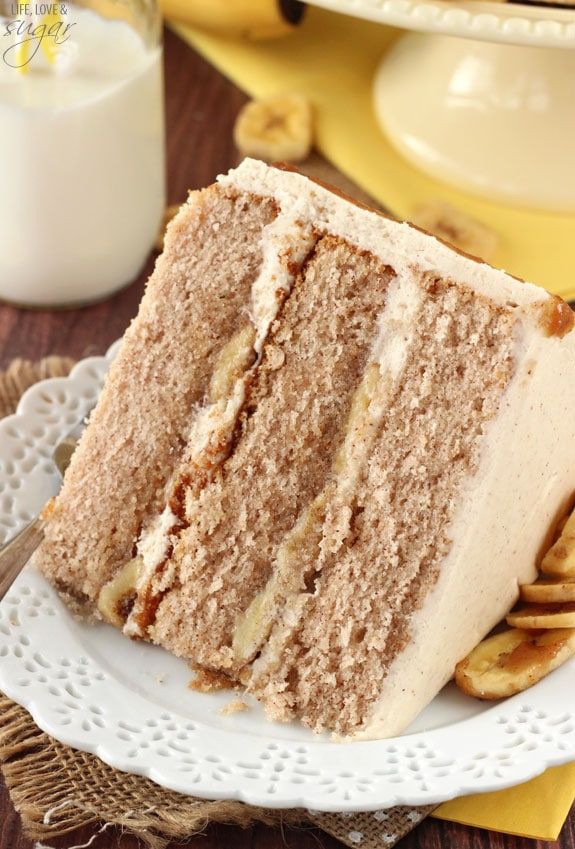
(57, 789)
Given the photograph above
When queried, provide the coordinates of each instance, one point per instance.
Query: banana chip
(537, 616)
(511, 662)
(275, 128)
(545, 591)
(456, 227)
(559, 562)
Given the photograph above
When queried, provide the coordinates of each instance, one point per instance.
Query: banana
(243, 19)
(542, 635)
(510, 662)
(548, 591)
(455, 227)
(275, 128)
(118, 594)
(537, 616)
(559, 562)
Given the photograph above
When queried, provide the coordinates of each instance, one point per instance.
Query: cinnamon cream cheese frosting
(327, 453)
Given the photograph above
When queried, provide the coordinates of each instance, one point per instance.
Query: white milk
(82, 187)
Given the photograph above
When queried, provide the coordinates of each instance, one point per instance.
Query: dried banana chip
(545, 591)
(559, 562)
(513, 661)
(537, 616)
(275, 128)
(457, 228)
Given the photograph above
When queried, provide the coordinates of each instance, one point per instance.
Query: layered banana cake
(327, 453)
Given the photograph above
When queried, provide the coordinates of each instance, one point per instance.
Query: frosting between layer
(285, 244)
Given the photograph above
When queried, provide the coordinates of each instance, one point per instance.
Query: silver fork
(16, 553)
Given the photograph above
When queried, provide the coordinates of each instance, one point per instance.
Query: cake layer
(504, 521)
(328, 656)
(286, 243)
(202, 286)
(290, 428)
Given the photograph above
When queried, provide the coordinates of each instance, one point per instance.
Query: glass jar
(82, 147)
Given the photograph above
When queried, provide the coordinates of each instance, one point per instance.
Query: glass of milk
(82, 191)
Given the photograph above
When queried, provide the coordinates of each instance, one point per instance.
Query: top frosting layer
(396, 243)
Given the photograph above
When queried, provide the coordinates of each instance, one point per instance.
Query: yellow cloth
(333, 58)
(536, 809)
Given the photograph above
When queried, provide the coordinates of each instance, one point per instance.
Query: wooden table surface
(201, 106)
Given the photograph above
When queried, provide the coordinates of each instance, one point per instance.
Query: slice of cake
(328, 452)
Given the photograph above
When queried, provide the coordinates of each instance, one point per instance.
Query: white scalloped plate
(507, 23)
(128, 703)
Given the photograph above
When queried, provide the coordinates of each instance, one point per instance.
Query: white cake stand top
(504, 22)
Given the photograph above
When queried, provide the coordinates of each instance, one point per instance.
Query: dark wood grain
(201, 106)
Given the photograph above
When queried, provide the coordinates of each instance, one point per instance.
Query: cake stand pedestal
(481, 97)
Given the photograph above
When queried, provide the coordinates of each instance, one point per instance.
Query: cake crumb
(235, 706)
(208, 681)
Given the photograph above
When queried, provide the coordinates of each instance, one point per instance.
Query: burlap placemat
(56, 789)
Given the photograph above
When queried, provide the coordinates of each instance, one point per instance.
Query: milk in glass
(82, 191)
